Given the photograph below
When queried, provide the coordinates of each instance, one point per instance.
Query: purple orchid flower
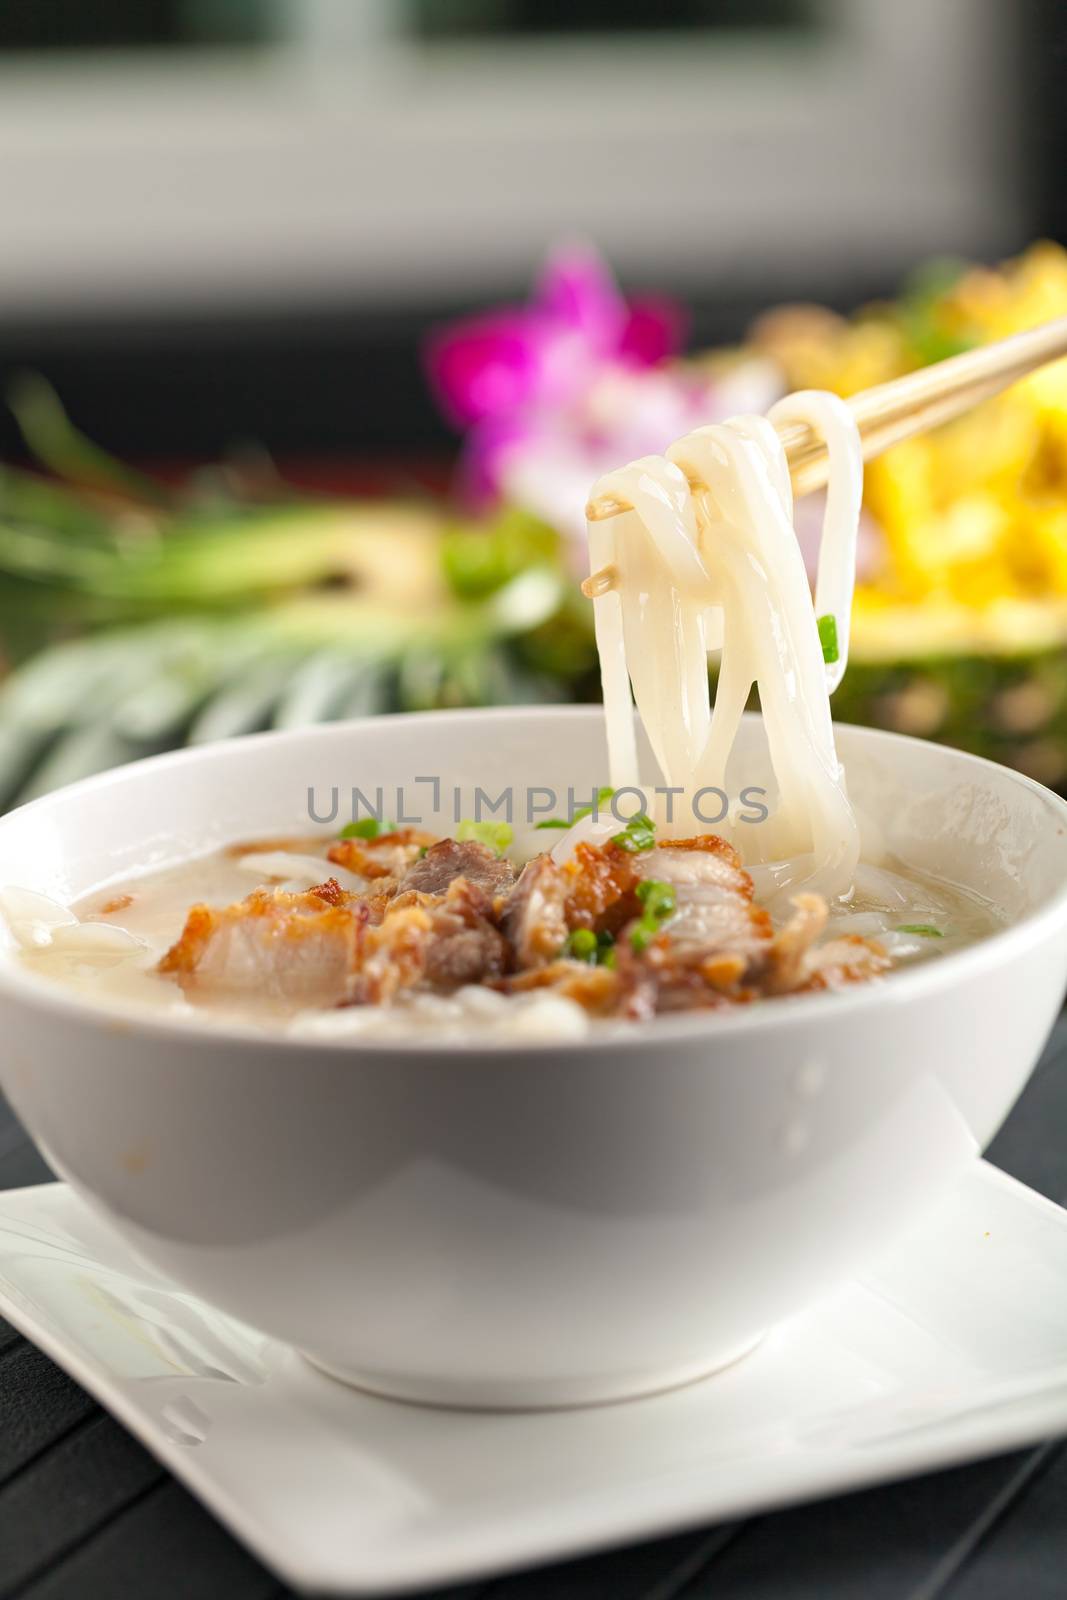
(552, 393)
(545, 353)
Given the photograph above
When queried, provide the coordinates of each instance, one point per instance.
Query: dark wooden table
(87, 1514)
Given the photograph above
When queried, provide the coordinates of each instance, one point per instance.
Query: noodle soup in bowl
(473, 1219)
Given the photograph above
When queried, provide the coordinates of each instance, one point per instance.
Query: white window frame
(352, 163)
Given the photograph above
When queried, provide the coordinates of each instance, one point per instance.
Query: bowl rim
(42, 994)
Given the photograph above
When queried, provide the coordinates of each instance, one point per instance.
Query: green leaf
(366, 828)
(58, 445)
(30, 501)
(638, 835)
(495, 835)
(929, 325)
(477, 561)
(924, 930)
(828, 638)
(244, 704)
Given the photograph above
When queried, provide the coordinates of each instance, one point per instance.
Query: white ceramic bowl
(551, 1223)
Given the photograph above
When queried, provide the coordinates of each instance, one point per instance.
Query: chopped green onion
(367, 828)
(595, 948)
(494, 835)
(602, 797)
(828, 638)
(925, 930)
(656, 896)
(582, 945)
(639, 834)
(659, 902)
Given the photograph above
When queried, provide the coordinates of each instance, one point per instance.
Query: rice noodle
(831, 419)
(33, 918)
(39, 923)
(727, 557)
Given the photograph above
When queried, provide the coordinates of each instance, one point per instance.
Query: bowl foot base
(545, 1394)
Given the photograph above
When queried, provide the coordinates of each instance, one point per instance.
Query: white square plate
(955, 1347)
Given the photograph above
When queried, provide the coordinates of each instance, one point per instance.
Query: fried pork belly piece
(534, 917)
(792, 946)
(839, 962)
(684, 975)
(292, 946)
(720, 946)
(667, 977)
(441, 941)
(394, 957)
(331, 892)
(450, 859)
(714, 895)
(637, 987)
(597, 989)
(594, 889)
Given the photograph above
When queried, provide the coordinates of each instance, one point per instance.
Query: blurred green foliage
(135, 616)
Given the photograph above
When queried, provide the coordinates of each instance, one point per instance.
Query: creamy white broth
(152, 908)
(155, 911)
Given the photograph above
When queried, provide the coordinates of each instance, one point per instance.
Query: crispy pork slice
(393, 956)
(710, 957)
(791, 949)
(714, 894)
(281, 945)
(450, 859)
(594, 889)
(534, 917)
(438, 942)
(720, 947)
(666, 977)
(840, 962)
(596, 989)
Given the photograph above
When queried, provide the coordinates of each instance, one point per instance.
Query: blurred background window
(402, 150)
(445, 18)
(106, 24)
(268, 201)
(125, 24)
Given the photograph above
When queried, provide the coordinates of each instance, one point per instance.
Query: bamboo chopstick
(894, 411)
